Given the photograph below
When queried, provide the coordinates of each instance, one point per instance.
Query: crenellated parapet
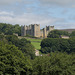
(34, 30)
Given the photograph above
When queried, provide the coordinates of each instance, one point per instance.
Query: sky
(58, 13)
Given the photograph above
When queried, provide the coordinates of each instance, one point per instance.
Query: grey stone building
(34, 30)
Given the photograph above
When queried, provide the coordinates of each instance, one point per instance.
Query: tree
(9, 29)
(57, 44)
(13, 61)
(56, 64)
(57, 34)
(72, 45)
(72, 34)
(17, 29)
(12, 39)
(24, 45)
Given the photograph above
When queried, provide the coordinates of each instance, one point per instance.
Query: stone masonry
(34, 30)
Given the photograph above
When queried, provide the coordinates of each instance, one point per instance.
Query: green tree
(17, 29)
(56, 64)
(72, 44)
(57, 44)
(24, 45)
(12, 39)
(72, 34)
(57, 34)
(13, 61)
(9, 29)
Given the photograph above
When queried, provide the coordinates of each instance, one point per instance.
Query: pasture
(35, 42)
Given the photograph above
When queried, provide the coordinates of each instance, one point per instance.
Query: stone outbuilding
(36, 52)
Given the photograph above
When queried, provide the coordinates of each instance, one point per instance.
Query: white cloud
(70, 25)
(73, 6)
(7, 2)
(6, 13)
(65, 11)
(26, 19)
(58, 2)
(29, 18)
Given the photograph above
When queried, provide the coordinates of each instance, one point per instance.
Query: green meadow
(35, 42)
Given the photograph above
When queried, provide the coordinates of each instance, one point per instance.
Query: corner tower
(35, 30)
(23, 30)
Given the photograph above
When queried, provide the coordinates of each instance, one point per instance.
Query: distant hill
(68, 30)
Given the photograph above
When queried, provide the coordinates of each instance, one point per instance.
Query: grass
(31, 39)
(36, 45)
(35, 42)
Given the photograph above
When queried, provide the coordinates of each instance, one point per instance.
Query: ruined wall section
(23, 30)
(44, 33)
(41, 33)
(49, 28)
(34, 30)
(37, 30)
(28, 30)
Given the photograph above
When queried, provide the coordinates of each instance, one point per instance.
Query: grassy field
(35, 42)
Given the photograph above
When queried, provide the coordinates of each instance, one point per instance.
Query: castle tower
(23, 30)
(35, 30)
(51, 28)
(32, 29)
(44, 33)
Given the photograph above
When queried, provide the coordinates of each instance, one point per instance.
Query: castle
(34, 30)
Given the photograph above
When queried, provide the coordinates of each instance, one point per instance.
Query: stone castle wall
(34, 30)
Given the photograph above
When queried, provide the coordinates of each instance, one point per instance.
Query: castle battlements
(34, 30)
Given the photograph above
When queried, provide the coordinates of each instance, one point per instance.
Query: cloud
(43, 2)
(6, 13)
(73, 6)
(65, 11)
(70, 25)
(58, 2)
(26, 18)
(17, 6)
(8, 2)
(29, 18)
